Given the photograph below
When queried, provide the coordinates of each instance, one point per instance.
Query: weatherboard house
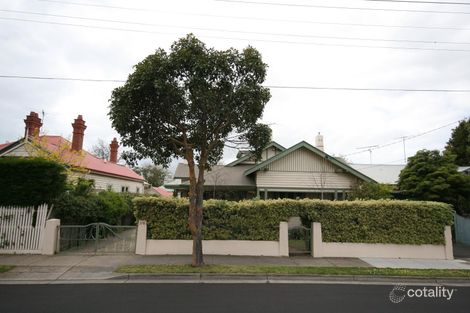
(106, 174)
(301, 171)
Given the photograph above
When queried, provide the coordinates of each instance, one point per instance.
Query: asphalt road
(141, 298)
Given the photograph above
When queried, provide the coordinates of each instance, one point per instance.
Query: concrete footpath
(74, 268)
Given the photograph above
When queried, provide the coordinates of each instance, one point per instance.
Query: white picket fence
(22, 229)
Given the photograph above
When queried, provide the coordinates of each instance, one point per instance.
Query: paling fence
(22, 228)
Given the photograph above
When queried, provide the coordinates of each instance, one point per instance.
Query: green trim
(318, 152)
(246, 157)
(11, 146)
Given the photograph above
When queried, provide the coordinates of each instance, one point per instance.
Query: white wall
(145, 246)
(377, 250)
(102, 182)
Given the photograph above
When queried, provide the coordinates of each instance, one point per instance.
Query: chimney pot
(32, 124)
(78, 133)
(113, 155)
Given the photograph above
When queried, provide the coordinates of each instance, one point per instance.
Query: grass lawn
(5, 268)
(296, 270)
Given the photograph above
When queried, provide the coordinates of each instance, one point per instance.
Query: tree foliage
(101, 149)
(80, 205)
(189, 103)
(155, 175)
(459, 143)
(371, 191)
(431, 175)
(30, 181)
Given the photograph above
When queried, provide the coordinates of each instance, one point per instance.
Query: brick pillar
(78, 133)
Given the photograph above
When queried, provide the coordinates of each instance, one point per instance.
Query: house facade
(107, 174)
(301, 171)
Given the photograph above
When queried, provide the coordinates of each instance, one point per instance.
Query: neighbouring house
(160, 191)
(107, 174)
(301, 171)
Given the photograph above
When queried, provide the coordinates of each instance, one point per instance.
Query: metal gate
(97, 238)
(300, 240)
(462, 229)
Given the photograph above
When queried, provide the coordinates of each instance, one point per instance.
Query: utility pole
(404, 147)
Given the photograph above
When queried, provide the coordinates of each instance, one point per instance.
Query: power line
(238, 38)
(404, 139)
(368, 89)
(267, 86)
(241, 31)
(298, 5)
(297, 21)
(421, 2)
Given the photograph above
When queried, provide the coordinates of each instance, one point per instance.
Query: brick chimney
(78, 133)
(32, 124)
(113, 155)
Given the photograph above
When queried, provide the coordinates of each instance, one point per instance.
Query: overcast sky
(292, 42)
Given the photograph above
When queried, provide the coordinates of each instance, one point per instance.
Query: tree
(101, 149)
(155, 175)
(430, 175)
(371, 191)
(190, 103)
(459, 143)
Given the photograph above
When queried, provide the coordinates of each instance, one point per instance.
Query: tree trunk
(196, 194)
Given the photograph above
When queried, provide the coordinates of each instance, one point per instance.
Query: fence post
(283, 239)
(316, 240)
(141, 244)
(51, 232)
(448, 243)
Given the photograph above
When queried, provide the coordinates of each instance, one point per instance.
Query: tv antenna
(368, 148)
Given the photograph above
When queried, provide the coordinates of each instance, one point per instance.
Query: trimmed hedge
(373, 221)
(30, 181)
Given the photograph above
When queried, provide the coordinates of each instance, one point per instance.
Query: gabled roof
(219, 175)
(4, 145)
(246, 157)
(87, 160)
(318, 152)
(382, 173)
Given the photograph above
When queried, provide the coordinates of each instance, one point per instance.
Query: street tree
(155, 175)
(189, 103)
(459, 143)
(431, 175)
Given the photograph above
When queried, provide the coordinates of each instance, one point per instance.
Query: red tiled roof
(86, 159)
(4, 145)
(163, 192)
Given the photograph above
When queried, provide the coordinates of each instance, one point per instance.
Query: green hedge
(30, 181)
(373, 221)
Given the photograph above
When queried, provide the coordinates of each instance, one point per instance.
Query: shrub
(30, 181)
(374, 221)
(81, 205)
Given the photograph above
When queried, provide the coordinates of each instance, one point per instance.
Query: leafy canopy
(459, 143)
(155, 175)
(430, 175)
(193, 97)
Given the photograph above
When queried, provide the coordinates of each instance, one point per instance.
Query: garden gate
(462, 229)
(97, 238)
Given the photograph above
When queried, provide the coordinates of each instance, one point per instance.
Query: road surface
(205, 298)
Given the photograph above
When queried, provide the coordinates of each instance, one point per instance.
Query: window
(124, 189)
(137, 189)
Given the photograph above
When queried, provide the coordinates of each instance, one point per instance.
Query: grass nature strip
(5, 268)
(293, 270)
